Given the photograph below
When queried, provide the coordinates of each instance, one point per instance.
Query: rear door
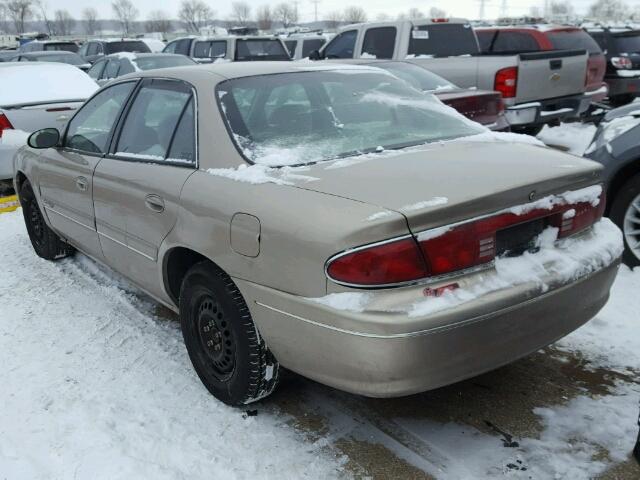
(66, 173)
(137, 186)
(546, 75)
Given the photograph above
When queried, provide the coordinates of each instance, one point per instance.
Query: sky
(460, 8)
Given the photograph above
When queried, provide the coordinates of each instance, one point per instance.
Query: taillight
(5, 124)
(624, 63)
(379, 264)
(506, 82)
(457, 247)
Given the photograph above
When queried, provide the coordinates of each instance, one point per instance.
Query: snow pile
(258, 174)
(348, 301)
(434, 202)
(508, 137)
(589, 194)
(575, 137)
(96, 385)
(43, 82)
(612, 130)
(559, 261)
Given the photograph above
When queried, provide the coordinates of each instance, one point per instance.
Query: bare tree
(609, 10)
(264, 17)
(158, 21)
(286, 14)
(194, 13)
(415, 14)
(43, 8)
(435, 12)
(64, 22)
(126, 14)
(91, 23)
(355, 15)
(241, 13)
(20, 12)
(333, 20)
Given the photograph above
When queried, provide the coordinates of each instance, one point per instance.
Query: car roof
(134, 55)
(45, 53)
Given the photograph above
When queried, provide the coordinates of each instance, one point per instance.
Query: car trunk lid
(481, 106)
(30, 118)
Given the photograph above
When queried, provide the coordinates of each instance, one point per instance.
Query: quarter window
(342, 46)
(96, 70)
(152, 120)
(217, 49)
(89, 130)
(112, 69)
(379, 42)
(183, 147)
(310, 45)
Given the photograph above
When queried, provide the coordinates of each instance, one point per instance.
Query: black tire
(532, 130)
(620, 203)
(224, 345)
(46, 243)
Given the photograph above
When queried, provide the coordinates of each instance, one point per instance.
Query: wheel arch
(20, 178)
(624, 174)
(175, 264)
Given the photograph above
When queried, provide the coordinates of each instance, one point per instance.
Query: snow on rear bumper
(396, 342)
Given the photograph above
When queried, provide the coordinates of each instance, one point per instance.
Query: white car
(36, 95)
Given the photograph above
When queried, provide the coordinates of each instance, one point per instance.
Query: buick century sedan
(327, 219)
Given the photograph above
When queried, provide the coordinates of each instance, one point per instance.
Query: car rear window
(627, 43)
(416, 76)
(62, 46)
(310, 45)
(210, 49)
(70, 58)
(127, 46)
(573, 40)
(504, 41)
(247, 50)
(164, 61)
(443, 40)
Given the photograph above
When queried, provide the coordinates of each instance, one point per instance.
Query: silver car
(328, 219)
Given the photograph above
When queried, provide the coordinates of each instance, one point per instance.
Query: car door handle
(82, 183)
(154, 203)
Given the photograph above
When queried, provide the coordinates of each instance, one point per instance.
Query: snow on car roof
(41, 82)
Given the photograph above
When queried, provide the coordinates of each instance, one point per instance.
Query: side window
(600, 40)
(111, 71)
(184, 47)
(379, 43)
(83, 50)
(171, 47)
(126, 67)
(90, 128)
(92, 49)
(310, 45)
(342, 46)
(291, 46)
(183, 146)
(216, 49)
(96, 70)
(154, 115)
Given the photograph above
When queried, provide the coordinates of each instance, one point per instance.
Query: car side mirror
(45, 138)
(315, 55)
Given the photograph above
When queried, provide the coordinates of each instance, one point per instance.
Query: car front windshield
(306, 117)
(162, 61)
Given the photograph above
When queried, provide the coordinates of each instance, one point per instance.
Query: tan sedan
(326, 219)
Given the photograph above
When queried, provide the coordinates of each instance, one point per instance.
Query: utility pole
(315, 8)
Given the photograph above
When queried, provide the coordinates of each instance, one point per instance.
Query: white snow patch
(379, 215)
(575, 137)
(434, 202)
(347, 301)
(258, 174)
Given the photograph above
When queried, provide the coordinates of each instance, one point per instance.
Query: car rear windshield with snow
(162, 61)
(443, 40)
(306, 117)
(506, 41)
(127, 46)
(628, 42)
(251, 50)
(574, 40)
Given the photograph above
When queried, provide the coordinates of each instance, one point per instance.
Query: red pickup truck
(536, 38)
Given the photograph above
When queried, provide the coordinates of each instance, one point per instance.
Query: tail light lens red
(5, 124)
(622, 62)
(451, 248)
(506, 82)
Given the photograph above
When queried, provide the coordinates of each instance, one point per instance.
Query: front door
(137, 186)
(66, 185)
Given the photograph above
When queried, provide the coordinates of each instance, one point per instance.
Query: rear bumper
(623, 86)
(549, 111)
(386, 354)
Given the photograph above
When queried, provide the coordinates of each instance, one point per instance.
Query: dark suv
(95, 49)
(622, 48)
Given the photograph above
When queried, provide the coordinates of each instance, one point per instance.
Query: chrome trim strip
(50, 209)
(127, 246)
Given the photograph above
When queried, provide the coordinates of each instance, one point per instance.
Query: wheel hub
(215, 336)
(631, 226)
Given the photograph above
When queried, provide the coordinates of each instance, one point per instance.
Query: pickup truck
(229, 48)
(538, 88)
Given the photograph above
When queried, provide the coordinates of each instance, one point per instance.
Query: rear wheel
(625, 212)
(224, 345)
(45, 241)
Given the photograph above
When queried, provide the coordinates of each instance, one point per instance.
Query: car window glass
(574, 40)
(83, 49)
(151, 121)
(600, 39)
(443, 40)
(96, 70)
(310, 45)
(171, 47)
(217, 49)
(379, 43)
(184, 141)
(125, 67)
(342, 46)
(184, 47)
(89, 129)
(516, 42)
(291, 46)
(112, 69)
(92, 49)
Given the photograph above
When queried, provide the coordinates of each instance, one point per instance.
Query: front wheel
(46, 243)
(224, 345)
(625, 212)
